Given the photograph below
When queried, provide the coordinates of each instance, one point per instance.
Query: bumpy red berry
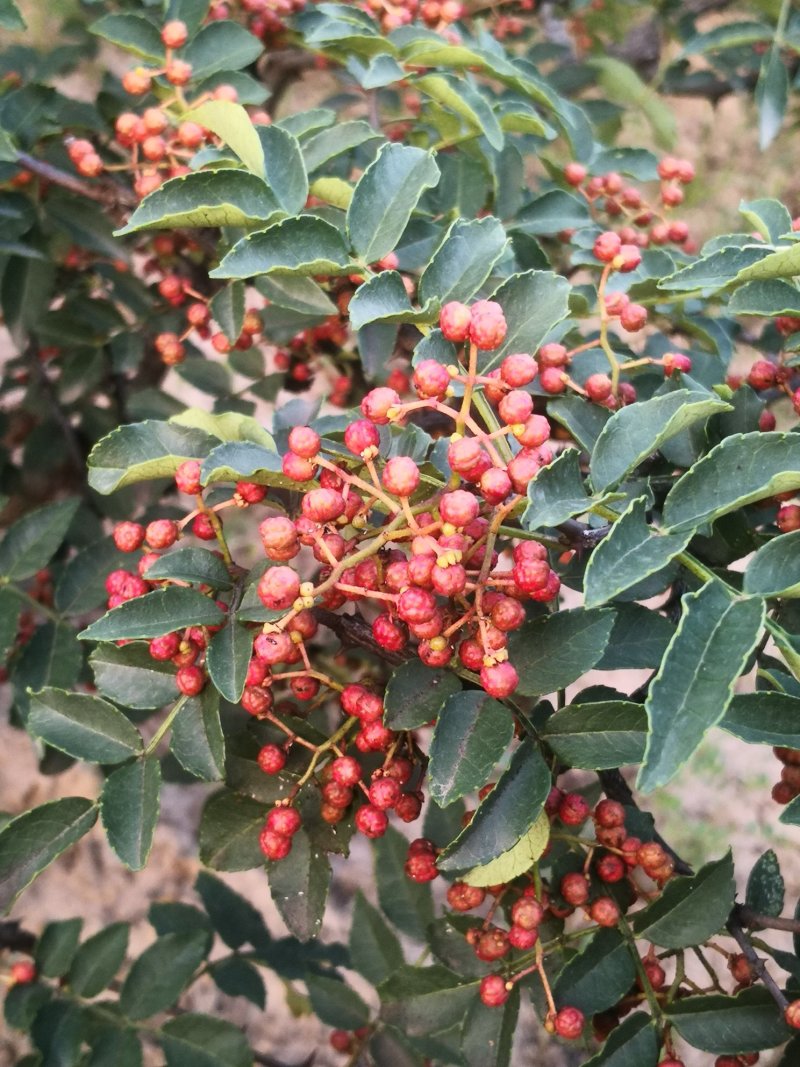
(278, 588)
(487, 325)
(271, 759)
(187, 477)
(499, 679)
(23, 972)
(569, 1023)
(371, 821)
(175, 34)
(454, 321)
(493, 990)
(431, 379)
(400, 476)
(128, 536)
(275, 846)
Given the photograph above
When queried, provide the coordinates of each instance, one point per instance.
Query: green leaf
(634, 1043)
(764, 718)
(553, 651)
(234, 460)
(335, 1003)
(596, 979)
(284, 168)
(302, 245)
(771, 96)
(57, 1032)
(196, 565)
(638, 639)
(505, 814)
(21, 1005)
(749, 1022)
(635, 432)
(729, 35)
(237, 977)
(10, 610)
(770, 217)
(551, 213)
(231, 123)
(197, 741)
(98, 959)
(194, 1040)
(142, 451)
(472, 733)
(221, 45)
(775, 569)
(299, 886)
(227, 309)
(173, 917)
(31, 542)
(765, 299)
(463, 261)
(135, 33)
(53, 656)
(341, 138)
(385, 196)
(154, 614)
(81, 583)
(738, 471)
(519, 858)
(375, 950)
(296, 292)
(583, 421)
(229, 829)
(695, 683)
(556, 493)
(407, 905)
(690, 910)
(223, 197)
(623, 85)
(488, 1033)
(719, 268)
(159, 976)
(766, 889)
(533, 303)
(10, 17)
(131, 677)
(597, 736)
(129, 807)
(226, 426)
(415, 693)
(785, 263)
(630, 552)
(116, 1048)
(56, 947)
(85, 727)
(228, 658)
(425, 1000)
(384, 299)
(32, 840)
(234, 918)
(447, 91)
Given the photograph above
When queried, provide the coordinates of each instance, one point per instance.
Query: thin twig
(14, 938)
(757, 964)
(756, 921)
(103, 194)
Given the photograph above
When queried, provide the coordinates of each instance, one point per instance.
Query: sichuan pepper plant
(533, 439)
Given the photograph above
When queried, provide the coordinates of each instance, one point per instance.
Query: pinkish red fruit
(278, 588)
(493, 990)
(454, 321)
